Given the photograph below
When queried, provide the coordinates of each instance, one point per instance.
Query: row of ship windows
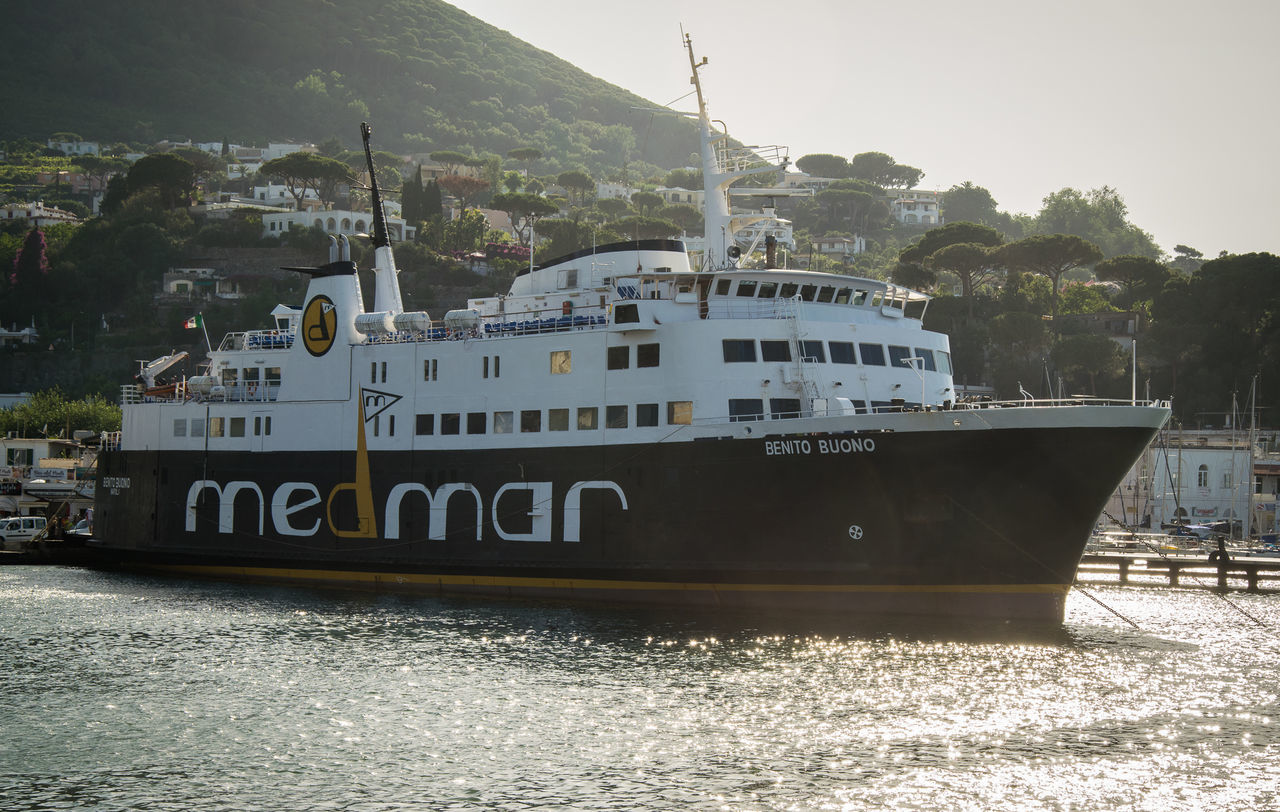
(752, 288)
(743, 350)
(647, 355)
(584, 418)
(221, 426)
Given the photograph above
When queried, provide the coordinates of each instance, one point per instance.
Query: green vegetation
(51, 413)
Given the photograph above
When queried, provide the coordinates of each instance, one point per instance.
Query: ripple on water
(124, 692)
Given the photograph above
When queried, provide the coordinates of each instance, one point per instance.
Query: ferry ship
(619, 426)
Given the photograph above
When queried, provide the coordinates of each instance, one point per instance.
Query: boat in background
(617, 426)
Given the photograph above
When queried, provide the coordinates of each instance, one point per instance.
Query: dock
(1251, 574)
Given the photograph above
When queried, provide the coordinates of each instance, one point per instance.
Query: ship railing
(880, 408)
(751, 308)
(532, 322)
(1081, 400)
(111, 440)
(256, 340)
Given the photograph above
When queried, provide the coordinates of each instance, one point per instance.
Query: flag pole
(206, 332)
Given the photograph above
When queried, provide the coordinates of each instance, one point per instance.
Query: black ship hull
(982, 523)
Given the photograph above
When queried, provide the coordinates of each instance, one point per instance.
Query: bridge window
(557, 419)
(747, 288)
(812, 351)
(898, 356)
(722, 287)
(927, 355)
(737, 350)
(619, 357)
(944, 362)
(788, 290)
(872, 354)
(807, 292)
(679, 412)
(531, 420)
(745, 409)
(842, 352)
(826, 293)
(615, 417)
(843, 296)
(425, 424)
(588, 418)
(768, 290)
(647, 355)
(476, 422)
(450, 423)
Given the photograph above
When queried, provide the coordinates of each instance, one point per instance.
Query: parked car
(20, 528)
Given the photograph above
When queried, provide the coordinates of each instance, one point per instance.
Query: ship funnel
(334, 256)
(386, 289)
(344, 248)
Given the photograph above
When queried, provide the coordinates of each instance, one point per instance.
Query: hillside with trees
(428, 75)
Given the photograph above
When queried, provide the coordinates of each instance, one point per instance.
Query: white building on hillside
(914, 207)
(38, 214)
(332, 221)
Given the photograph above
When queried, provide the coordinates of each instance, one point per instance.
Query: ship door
(704, 290)
(261, 422)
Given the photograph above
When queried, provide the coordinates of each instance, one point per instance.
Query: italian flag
(194, 322)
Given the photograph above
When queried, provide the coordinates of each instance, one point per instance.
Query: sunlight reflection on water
(123, 692)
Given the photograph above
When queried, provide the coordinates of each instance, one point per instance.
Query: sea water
(124, 692)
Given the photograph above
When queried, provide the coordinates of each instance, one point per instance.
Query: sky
(1173, 103)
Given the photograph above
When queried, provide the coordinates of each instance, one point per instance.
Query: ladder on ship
(804, 381)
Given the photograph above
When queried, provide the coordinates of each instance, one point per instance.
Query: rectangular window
(257, 426)
(927, 355)
(626, 314)
(767, 290)
(811, 351)
(197, 427)
(898, 356)
(561, 362)
(859, 297)
(783, 408)
(647, 355)
(722, 287)
(747, 288)
(588, 418)
(450, 423)
(497, 366)
(788, 290)
(531, 420)
(944, 362)
(826, 293)
(646, 414)
(384, 371)
(775, 350)
(250, 374)
(373, 372)
(679, 412)
(807, 292)
(484, 373)
(430, 367)
(872, 354)
(842, 352)
(843, 296)
(267, 429)
(503, 422)
(476, 422)
(615, 417)
(619, 357)
(557, 419)
(745, 409)
(180, 427)
(215, 426)
(425, 424)
(739, 349)
(377, 424)
(273, 376)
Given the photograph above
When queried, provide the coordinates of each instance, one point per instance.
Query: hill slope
(428, 76)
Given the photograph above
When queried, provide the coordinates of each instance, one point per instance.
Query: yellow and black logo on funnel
(319, 325)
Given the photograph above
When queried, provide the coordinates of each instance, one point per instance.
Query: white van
(20, 528)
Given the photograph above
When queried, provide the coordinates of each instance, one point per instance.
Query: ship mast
(386, 290)
(722, 164)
